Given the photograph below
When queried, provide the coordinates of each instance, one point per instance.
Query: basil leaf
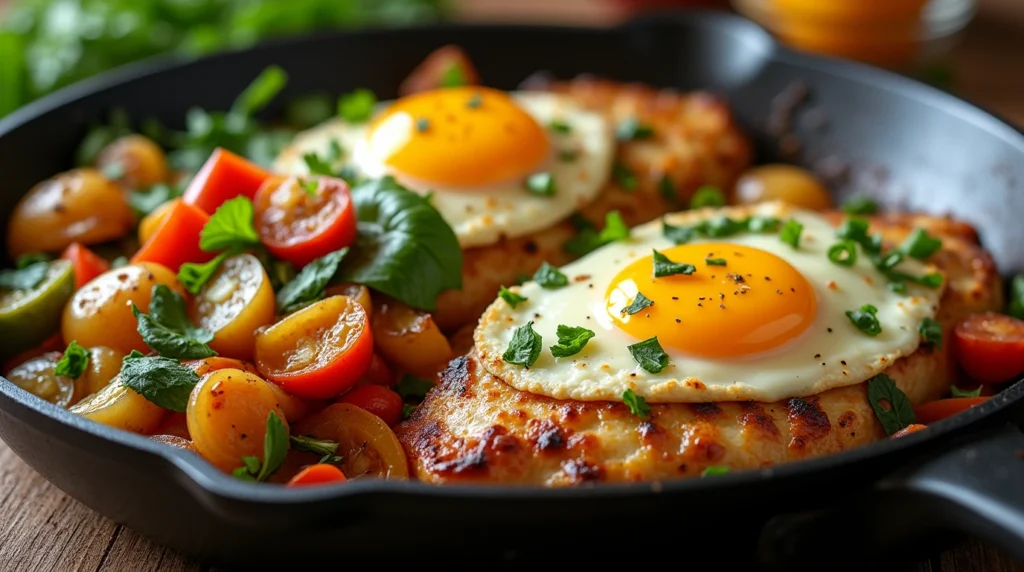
(511, 298)
(275, 446)
(74, 361)
(636, 403)
(404, 248)
(357, 107)
(714, 470)
(860, 206)
(920, 244)
(843, 253)
(193, 276)
(931, 332)
(231, 226)
(633, 130)
(25, 278)
(571, 340)
(791, 232)
(541, 184)
(866, 320)
(957, 392)
(638, 303)
(892, 408)
(161, 380)
(412, 387)
(677, 234)
(309, 284)
(649, 355)
(260, 92)
(664, 267)
(326, 449)
(549, 277)
(1016, 308)
(524, 349)
(707, 196)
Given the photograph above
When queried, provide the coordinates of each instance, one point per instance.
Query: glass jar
(899, 34)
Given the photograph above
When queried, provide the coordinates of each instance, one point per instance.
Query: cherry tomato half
(319, 351)
(300, 220)
(379, 373)
(377, 399)
(933, 411)
(318, 474)
(990, 347)
(368, 446)
(912, 428)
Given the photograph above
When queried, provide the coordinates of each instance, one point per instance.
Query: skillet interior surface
(909, 145)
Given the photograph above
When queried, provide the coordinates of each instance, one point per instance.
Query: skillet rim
(221, 487)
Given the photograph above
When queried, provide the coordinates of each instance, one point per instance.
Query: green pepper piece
(29, 317)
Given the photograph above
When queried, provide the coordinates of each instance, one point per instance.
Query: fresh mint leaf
(511, 298)
(571, 340)
(167, 329)
(524, 349)
(649, 355)
(161, 380)
(636, 403)
(74, 361)
(275, 449)
(309, 284)
(231, 226)
(193, 275)
(892, 408)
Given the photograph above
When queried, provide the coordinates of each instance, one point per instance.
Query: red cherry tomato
(300, 222)
(319, 474)
(912, 428)
(86, 263)
(223, 176)
(990, 347)
(319, 351)
(933, 411)
(376, 399)
(379, 373)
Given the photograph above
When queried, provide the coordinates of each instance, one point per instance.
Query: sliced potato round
(236, 301)
(119, 406)
(409, 339)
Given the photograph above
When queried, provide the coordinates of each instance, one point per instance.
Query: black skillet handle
(976, 487)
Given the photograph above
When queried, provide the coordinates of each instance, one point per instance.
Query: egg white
(484, 216)
(831, 353)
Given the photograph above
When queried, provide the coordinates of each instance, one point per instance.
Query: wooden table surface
(44, 529)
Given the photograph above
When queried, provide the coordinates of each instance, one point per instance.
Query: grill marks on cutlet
(755, 419)
(458, 376)
(807, 422)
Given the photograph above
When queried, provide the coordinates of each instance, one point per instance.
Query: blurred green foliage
(48, 44)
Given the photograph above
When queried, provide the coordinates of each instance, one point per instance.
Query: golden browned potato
(141, 161)
(409, 338)
(37, 376)
(100, 313)
(119, 406)
(227, 416)
(104, 365)
(175, 441)
(77, 206)
(788, 183)
(236, 301)
(367, 444)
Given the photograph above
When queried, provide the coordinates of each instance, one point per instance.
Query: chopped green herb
(667, 190)
(275, 449)
(715, 261)
(721, 227)
(167, 329)
(74, 361)
(639, 303)
(311, 186)
(542, 184)
(511, 298)
(317, 166)
(931, 331)
(860, 205)
(326, 449)
(664, 267)
(423, 124)
(707, 196)
(957, 392)
(161, 380)
(193, 276)
(866, 319)
(633, 130)
(1016, 307)
(26, 260)
(571, 340)
(920, 245)
(357, 107)
(260, 92)
(892, 408)
(677, 234)
(636, 403)
(560, 126)
(454, 76)
(762, 224)
(649, 355)
(413, 388)
(843, 253)
(791, 232)
(231, 226)
(475, 101)
(145, 202)
(568, 155)
(407, 410)
(856, 229)
(714, 470)
(624, 177)
(549, 277)
(524, 349)
(309, 284)
(589, 239)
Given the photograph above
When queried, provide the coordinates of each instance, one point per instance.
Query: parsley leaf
(633, 130)
(309, 284)
(74, 361)
(892, 408)
(639, 303)
(275, 449)
(357, 107)
(511, 298)
(541, 184)
(412, 387)
(161, 380)
(931, 331)
(664, 267)
(25, 278)
(860, 206)
(649, 355)
(326, 449)
(231, 226)
(843, 253)
(865, 319)
(791, 232)
(167, 329)
(624, 177)
(920, 244)
(636, 403)
(714, 470)
(715, 262)
(549, 277)
(193, 276)
(1016, 308)
(707, 196)
(404, 248)
(957, 392)
(524, 349)
(571, 340)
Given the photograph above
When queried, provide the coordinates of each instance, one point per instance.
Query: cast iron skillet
(923, 150)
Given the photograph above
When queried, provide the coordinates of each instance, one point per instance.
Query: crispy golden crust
(695, 142)
(475, 428)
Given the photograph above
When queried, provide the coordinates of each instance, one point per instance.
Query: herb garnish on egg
(866, 319)
(649, 354)
(664, 267)
(843, 253)
(639, 303)
(510, 297)
(892, 408)
(636, 403)
(524, 349)
(571, 340)
(931, 332)
(707, 196)
(542, 184)
(715, 262)
(791, 232)
(549, 277)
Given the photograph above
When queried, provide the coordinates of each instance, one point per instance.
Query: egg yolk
(460, 137)
(753, 303)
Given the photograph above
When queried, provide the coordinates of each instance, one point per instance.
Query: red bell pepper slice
(176, 240)
(87, 264)
(224, 176)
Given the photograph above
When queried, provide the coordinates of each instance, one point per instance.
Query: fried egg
(755, 318)
(495, 164)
